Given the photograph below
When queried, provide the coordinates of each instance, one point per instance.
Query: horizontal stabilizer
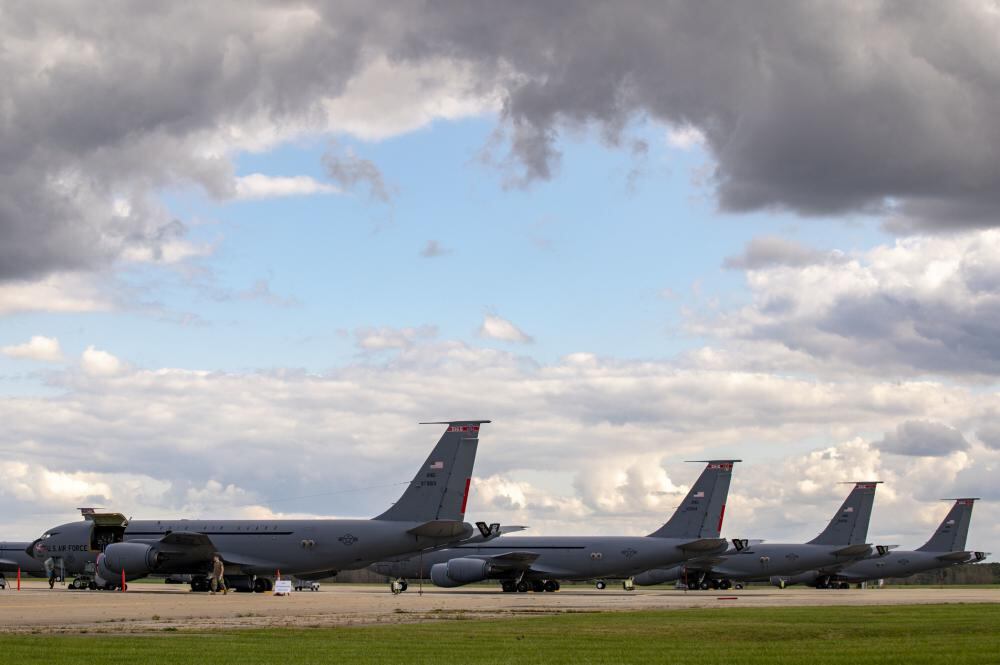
(439, 529)
(853, 550)
(705, 545)
(956, 556)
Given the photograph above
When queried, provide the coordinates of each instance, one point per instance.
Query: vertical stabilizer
(950, 535)
(700, 514)
(440, 489)
(850, 525)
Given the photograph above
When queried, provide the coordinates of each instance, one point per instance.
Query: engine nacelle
(659, 576)
(459, 571)
(136, 559)
(808, 578)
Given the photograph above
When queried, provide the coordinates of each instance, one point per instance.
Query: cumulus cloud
(497, 327)
(66, 292)
(583, 436)
(45, 349)
(260, 186)
(923, 438)
(113, 103)
(768, 251)
(99, 363)
(924, 304)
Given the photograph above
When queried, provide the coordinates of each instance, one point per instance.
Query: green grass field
(966, 634)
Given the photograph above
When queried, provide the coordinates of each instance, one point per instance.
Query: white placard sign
(282, 587)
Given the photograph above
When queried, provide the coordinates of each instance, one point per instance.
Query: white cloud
(580, 445)
(260, 186)
(496, 327)
(381, 339)
(925, 304)
(685, 137)
(99, 363)
(41, 348)
(65, 292)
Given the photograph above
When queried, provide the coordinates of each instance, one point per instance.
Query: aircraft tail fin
(850, 525)
(440, 488)
(700, 514)
(951, 533)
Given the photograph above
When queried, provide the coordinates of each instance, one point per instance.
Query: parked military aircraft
(843, 541)
(523, 563)
(945, 548)
(14, 557)
(105, 550)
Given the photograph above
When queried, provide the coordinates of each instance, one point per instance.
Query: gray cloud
(923, 439)
(433, 249)
(768, 251)
(349, 170)
(926, 304)
(102, 106)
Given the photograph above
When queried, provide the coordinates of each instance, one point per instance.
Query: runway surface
(157, 607)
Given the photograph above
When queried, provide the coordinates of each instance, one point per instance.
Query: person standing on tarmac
(218, 580)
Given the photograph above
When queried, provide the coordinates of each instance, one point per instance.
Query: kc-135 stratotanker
(105, 550)
(539, 563)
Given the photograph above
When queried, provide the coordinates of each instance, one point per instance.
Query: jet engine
(136, 559)
(659, 576)
(459, 571)
(810, 578)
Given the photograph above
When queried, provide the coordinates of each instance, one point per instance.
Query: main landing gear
(83, 582)
(398, 586)
(523, 586)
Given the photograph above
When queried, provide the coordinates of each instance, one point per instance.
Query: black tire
(601, 585)
(522, 587)
(549, 586)
(704, 586)
(558, 586)
(738, 586)
(508, 586)
(92, 585)
(725, 585)
(260, 585)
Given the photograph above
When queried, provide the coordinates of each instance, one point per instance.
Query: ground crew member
(218, 570)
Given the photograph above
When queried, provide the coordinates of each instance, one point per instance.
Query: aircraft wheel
(549, 586)
(845, 585)
(725, 585)
(601, 585)
(508, 586)
(558, 586)
(703, 586)
(260, 585)
(522, 587)
(738, 586)
(404, 585)
(715, 585)
(92, 585)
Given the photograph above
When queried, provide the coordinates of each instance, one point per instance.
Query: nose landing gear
(398, 586)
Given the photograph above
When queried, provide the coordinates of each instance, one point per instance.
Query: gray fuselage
(559, 557)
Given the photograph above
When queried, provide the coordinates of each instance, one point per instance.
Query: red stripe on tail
(465, 497)
(721, 515)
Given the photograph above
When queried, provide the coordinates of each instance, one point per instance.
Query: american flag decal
(849, 509)
(437, 465)
(464, 428)
(699, 495)
(725, 466)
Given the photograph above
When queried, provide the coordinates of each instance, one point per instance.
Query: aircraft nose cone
(37, 549)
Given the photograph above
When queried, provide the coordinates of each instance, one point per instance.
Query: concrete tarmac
(146, 608)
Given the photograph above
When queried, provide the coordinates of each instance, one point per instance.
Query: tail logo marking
(725, 466)
(348, 539)
(629, 553)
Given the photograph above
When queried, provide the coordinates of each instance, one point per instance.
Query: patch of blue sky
(582, 262)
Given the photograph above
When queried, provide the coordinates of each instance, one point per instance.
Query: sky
(246, 248)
